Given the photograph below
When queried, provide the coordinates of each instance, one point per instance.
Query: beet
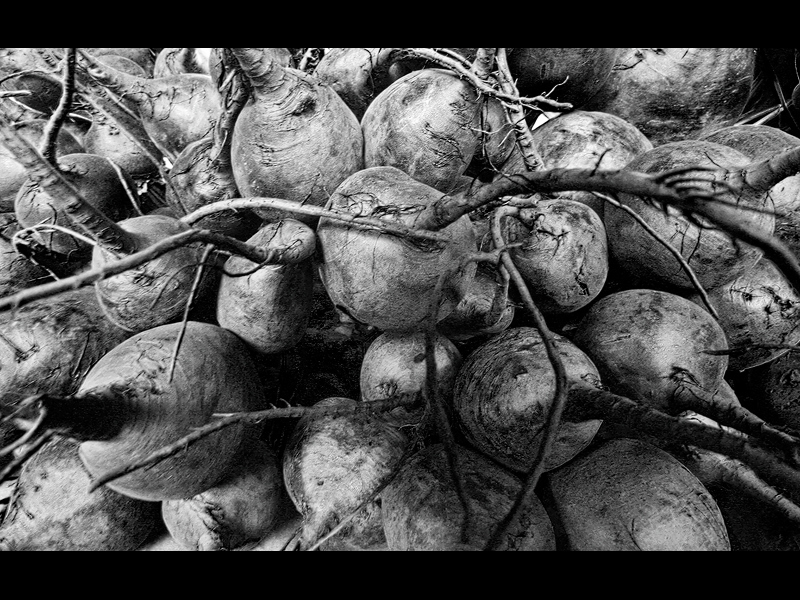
(394, 363)
(17, 271)
(357, 74)
(563, 256)
(13, 175)
(244, 507)
(486, 308)
(426, 124)
(131, 404)
(644, 341)
(759, 142)
(174, 61)
(110, 190)
(758, 307)
(269, 308)
(107, 139)
(295, 139)
(174, 110)
(504, 390)
(571, 75)
(332, 464)
(675, 94)
(773, 390)
(49, 345)
(583, 139)
(53, 509)
(384, 280)
(626, 494)
(422, 511)
(714, 257)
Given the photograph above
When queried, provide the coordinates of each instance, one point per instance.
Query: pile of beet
(399, 299)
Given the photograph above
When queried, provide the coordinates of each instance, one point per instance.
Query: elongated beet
(13, 174)
(98, 180)
(269, 306)
(203, 172)
(333, 464)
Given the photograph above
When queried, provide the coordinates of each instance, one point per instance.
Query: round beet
(53, 510)
(384, 280)
(422, 510)
(626, 494)
(563, 256)
(571, 75)
(758, 307)
(295, 139)
(395, 363)
(711, 253)
(582, 139)
(677, 93)
(426, 124)
(504, 390)
(357, 74)
(107, 139)
(645, 343)
(244, 507)
(131, 403)
(760, 142)
(773, 390)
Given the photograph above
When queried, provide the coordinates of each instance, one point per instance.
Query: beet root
(422, 510)
(626, 494)
(711, 253)
(333, 464)
(504, 390)
(49, 345)
(242, 508)
(53, 509)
